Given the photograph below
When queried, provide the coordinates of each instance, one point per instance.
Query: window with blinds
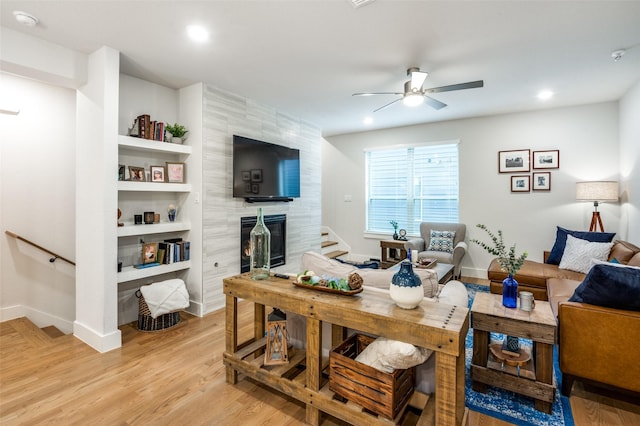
(411, 185)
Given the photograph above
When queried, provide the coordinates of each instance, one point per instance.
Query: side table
(535, 379)
(393, 251)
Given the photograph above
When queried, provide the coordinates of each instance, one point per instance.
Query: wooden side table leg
(449, 389)
(314, 365)
(231, 335)
(480, 356)
(544, 371)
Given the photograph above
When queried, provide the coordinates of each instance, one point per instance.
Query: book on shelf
(146, 265)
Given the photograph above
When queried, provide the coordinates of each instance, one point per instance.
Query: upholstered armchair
(441, 241)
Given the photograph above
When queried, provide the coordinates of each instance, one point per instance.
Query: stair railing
(55, 255)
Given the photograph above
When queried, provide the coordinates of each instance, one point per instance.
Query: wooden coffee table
(534, 379)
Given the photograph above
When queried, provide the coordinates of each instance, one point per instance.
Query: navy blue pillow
(610, 286)
(561, 241)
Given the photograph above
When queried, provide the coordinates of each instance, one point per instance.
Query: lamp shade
(597, 191)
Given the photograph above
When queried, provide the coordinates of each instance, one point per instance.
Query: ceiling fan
(415, 94)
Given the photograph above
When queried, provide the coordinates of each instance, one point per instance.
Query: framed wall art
(256, 175)
(137, 174)
(246, 176)
(541, 181)
(175, 172)
(516, 161)
(521, 183)
(157, 174)
(546, 159)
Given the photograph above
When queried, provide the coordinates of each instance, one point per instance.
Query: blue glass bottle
(510, 292)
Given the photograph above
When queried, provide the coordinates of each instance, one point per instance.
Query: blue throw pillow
(561, 241)
(610, 286)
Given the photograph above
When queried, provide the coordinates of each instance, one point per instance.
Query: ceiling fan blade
(377, 93)
(434, 103)
(417, 79)
(386, 105)
(460, 86)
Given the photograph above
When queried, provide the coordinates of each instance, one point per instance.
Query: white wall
(587, 137)
(630, 163)
(37, 201)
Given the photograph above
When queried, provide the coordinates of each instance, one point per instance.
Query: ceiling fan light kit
(415, 94)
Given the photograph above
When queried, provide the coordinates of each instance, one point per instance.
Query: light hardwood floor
(173, 377)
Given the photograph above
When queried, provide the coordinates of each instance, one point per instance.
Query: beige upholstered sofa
(458, 249)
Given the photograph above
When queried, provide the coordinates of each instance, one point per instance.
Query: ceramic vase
(510, 292)
(260, 240)
(395, 235)
(406, 287)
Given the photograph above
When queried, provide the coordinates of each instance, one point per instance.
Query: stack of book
(173, 250)
(145, 128)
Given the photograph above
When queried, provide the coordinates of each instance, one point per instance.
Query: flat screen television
(263, 171)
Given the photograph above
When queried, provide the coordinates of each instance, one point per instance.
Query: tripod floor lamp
(597, 192)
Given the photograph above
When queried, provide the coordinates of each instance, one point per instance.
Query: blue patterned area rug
(506, 405)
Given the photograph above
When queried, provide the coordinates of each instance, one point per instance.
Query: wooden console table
(436, 326)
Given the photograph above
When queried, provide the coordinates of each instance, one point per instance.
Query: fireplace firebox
(277, 224)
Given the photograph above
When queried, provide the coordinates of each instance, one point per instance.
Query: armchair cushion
(441, 241)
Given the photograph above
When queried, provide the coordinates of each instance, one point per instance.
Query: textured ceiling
(306, 58)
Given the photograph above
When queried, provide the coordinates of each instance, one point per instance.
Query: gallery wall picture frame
(149, 253)
(255, 188)
(256, 175)
(514, 161)
(137, 174)
(246, 176)
(541, 181)
(521, 183)
(175, 172)
(546, 159)
(157, 174)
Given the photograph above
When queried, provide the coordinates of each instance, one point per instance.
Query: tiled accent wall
(226, 114)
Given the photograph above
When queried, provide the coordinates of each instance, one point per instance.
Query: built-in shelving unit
(129, 273)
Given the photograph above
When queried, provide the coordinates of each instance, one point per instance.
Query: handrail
(55, 256)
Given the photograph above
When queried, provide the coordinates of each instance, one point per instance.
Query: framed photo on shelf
(541, 181)
(521, 183)
(149, 253)
(175, 172)
(546, 159)
(137, 174)
(256, 175)
(157, 174)
(122, 172)
(516, 161)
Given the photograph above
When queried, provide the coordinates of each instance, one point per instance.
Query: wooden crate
(382, 393)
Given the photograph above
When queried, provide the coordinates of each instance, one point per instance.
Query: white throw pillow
(387, 355)
(578, 254)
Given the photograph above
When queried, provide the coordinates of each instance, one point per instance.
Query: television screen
(263, 170)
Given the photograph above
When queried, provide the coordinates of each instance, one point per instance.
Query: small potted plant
(177, 131)
(395, 229)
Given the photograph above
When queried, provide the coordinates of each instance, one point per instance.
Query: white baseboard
(99, 342)
(195, 308)
(39, 318)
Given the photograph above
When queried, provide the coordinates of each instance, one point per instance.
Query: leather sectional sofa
(596, 343)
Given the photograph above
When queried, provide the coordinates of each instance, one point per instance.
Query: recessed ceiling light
(367, 120)
(197, 33)
(545, 94)
(25, 18)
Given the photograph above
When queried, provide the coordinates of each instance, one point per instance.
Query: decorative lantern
(276, 338)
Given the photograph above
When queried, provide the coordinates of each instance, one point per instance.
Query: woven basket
(147, 323)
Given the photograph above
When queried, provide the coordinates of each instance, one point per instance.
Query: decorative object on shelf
(156, 218)
(137, 219)
(157, 174)
(137, 174)
(119, 215)
(402, 235)
(276, 352)
(514, 161)
(520, 183)
(171, 212)
(511, 346)
(149, 253)
(542, 181)
(546, 159)
(149, 217)
(406, 287)
(175, 172)
(527, 302)
(260, 238)
(395, 229)
(509, 263)
(178, 132)
(121, 172)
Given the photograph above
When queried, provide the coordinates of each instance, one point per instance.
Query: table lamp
(597, 192)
